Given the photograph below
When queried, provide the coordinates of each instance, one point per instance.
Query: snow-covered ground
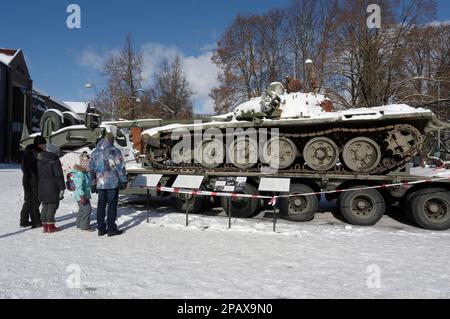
(164, 259)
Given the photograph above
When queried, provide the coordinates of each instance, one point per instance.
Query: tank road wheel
(321, 154)
(159, 154)
(210, 154)
(243, 153)
(299, 208)
(242, 207)
(362, 208)
(361, 155)
(280, 153)
(430, 208)
(181, 154)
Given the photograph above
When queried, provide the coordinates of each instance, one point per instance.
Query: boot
(51, 228)
(44, 228)
(37, 225)
(25, 224)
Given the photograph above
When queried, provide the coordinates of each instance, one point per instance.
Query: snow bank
(163, 259)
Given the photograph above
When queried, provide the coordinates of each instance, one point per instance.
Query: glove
(93, 189)
(84, 200)
(123, 186)
(61, 195)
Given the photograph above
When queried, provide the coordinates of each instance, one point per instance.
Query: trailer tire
(430, 208)
(242, 207)
(299, 209)
(406, 206)
(362, 208)
(195, 204)
(54, 118)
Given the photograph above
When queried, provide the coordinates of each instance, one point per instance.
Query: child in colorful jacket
(82, 192)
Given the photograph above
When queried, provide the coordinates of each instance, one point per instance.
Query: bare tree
(370, 65)
(250, 55)
(172, 92)
(308, 29)
(124, 73)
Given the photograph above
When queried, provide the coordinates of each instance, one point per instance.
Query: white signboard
(146, 180)
(277, 185)
(230, 184)
(188, 181)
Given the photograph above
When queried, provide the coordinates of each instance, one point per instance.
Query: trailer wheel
(194, 204)
(242, 207)
(362, 208)
(430, 208)
(299, 208)
(406, 206)
(52, 120)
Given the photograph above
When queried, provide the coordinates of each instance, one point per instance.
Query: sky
(63, 60)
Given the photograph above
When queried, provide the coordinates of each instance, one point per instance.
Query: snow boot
(115, 232)
(25, 224)
(51, 228)
(44, 228)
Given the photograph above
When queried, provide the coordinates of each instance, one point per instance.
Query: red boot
(51, 228)
(44, 228)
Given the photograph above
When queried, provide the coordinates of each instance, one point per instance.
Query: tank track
(385, 166)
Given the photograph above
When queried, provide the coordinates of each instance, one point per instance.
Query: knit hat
(39, 140)
(85, 161)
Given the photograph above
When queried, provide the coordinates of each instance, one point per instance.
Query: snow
(430, 172)
(6, 59)
(75, 115)
(73, 127)
(325, 258)
(78, 107)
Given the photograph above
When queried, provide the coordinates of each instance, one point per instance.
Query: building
(15, 107)
(21, 106)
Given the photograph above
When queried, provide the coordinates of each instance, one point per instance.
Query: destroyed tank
(294, 133)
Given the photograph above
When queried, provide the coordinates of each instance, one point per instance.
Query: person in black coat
(51, 186)
(30, 180)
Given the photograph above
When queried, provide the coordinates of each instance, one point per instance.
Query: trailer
(362, 199)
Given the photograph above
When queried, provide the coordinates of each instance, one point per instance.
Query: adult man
(108, 176)
(30, 182)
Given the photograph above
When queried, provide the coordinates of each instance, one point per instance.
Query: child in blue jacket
(80, 175)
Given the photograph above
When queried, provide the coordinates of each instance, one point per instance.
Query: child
(83, 192)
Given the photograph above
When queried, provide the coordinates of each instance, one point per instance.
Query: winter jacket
(29, 166)
(51, 178)
(107, 167)
(82, 184)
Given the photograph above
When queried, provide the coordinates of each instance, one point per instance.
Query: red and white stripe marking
(273, 199)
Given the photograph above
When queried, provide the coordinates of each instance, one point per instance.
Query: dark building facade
(15, 104)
